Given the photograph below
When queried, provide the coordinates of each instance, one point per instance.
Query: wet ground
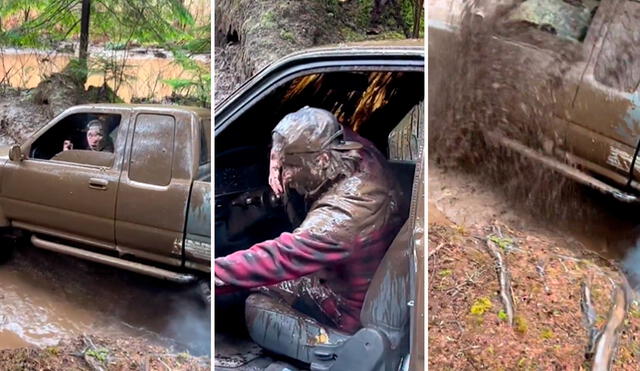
(549, 262)
(601, 224)
(45, 298)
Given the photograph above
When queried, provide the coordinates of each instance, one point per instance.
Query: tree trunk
(417, 17)
(84, 34)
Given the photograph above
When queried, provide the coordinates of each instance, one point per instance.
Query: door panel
(60, 196)
(154, 189)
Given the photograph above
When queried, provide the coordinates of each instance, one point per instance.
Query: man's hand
(218, 282)
(275, 169)
(67, 145)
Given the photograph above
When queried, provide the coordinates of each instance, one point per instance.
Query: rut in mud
(46, 298)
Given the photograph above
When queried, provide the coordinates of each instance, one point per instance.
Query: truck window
(405, 139)
(618, 64)
(569, 20)
(80, 138)
(152, 149)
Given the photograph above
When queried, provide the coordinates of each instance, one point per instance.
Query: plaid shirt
(343, 239)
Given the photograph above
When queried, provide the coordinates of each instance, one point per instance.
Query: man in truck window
(324, 266)
(97, 138)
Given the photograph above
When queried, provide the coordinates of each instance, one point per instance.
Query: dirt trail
(45, 298)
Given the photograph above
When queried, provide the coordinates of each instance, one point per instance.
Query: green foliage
(502, 315)
(199, 86)
(77, 70)
(98, 354)
(480, 306)
(502, 242)
(408, 9)
(268, 19)
(287, 36)
(123, 23)
(364, 13)
(445, 273)
(119, 21)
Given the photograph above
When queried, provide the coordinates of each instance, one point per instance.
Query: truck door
(155, 185)
(605, 114)
(69, 194)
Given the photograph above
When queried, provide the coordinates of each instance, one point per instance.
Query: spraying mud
(495, 87)
(46, 298)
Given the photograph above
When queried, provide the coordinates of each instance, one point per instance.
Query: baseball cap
(311, 130)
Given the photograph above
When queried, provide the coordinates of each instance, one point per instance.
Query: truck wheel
(7, 249)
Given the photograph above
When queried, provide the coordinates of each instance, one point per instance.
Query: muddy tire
(7, 249)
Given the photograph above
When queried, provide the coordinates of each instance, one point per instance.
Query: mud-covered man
(97, 138)
(355, 211)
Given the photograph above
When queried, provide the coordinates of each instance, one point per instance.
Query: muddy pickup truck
(592, 129)
(139, 200)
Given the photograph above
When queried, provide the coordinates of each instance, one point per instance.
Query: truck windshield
(566, 19)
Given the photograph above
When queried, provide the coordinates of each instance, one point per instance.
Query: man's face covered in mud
(96, 136)
(305, 153)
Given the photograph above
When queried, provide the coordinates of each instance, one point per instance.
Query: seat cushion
(277, 327)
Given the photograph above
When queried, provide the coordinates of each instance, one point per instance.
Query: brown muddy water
(144, 72)
(45, 297)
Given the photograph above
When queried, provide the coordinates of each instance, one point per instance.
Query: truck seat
(378, 346)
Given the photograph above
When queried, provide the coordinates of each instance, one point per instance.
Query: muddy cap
(311, 130)
(96, 125)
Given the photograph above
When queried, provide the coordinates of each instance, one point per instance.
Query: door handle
(97, 183)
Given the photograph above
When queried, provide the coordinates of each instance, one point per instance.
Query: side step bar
(113, 261)
(568, 171)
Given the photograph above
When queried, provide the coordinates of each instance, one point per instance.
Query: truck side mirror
(15, 153)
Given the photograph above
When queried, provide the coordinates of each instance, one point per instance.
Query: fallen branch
(432, 252)
(589, 313)
(607, 340)
(503, 277)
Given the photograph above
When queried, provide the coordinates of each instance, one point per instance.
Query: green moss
(350, 35)
(99, 354)
(546, 334)
(503, 243)
(391, 35)
(445, 273)
(287, 36)
(521, 325)
(502, 315)
(52, 350)
(268, 19)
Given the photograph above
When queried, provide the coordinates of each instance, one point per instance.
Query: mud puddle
(45, 298)
(143, 72)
